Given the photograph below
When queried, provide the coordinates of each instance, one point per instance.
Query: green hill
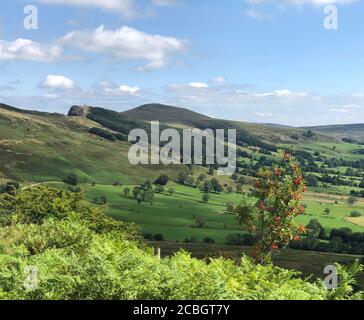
(164, 113)
(39, 146)
(36, 147)
(349, 131)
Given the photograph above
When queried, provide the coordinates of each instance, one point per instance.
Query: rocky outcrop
(79, 111)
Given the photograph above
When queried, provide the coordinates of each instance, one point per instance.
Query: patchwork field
(174, 216)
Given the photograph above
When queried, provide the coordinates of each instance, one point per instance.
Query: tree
(147, 185)
(211, 171)
(279, 191)
(361, 185)
(103, 199)
(126, 191)
(159, 237)
(312, 180)
(229, 207)
(182, 178)
(327, 211)
(71, 179)
(351, 201)
(200, 222)
(162, 180)
(206, 187)
(208, 240)
(316, 229)
(216, 186)
(171, 191)
(205, 197)
(159, 189)
(10, 187)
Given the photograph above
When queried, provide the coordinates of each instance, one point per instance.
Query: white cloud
(127, 43)
(123, 89)
(284, 93)
(58, 82)
(28, 50)
(198, 85)
(219, 79)
(124, 7)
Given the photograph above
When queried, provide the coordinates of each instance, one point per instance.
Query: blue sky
(250, 60)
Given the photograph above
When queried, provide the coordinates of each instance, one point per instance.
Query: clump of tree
(102, 133)
(10, 187)
(143, 193)
(162, 180)
(309, 134)
(72, 179)
(316, 229)
(182, 178)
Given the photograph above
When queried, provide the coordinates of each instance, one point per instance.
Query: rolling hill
(39, 146)
(349, 131)
(164, 113)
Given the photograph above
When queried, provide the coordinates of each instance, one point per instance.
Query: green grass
(174, 216)
(39, 148)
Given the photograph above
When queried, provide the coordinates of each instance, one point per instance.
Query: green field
(174, 216)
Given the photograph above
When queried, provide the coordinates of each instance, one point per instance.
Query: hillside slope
(350, 131)
(46, 147)
(164, 113)
(39, 146)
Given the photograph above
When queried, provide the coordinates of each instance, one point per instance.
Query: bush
(103, 133)
(234, 239)
(159, 237)
(205, 197)
(208, 240)
(10, 187)
(72, 179)
(355, 214)
(162, 180)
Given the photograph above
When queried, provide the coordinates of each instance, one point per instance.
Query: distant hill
(249, 134)
(39, 146)
(164, 113)
(351, 131)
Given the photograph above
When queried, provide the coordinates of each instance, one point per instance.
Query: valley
(44, 148)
